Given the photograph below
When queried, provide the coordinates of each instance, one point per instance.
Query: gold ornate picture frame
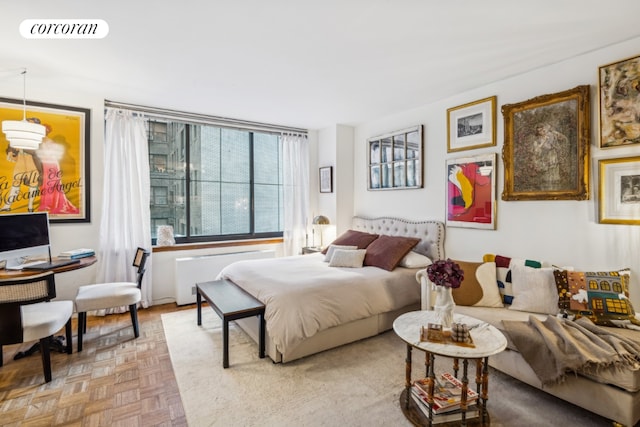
(618, 87)
(472, 125)
(619, 191)
(546, 147)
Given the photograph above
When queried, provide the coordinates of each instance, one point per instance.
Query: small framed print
(619, 191)
(326, 179)
(471, 192)
(619, 100)
(472, 125)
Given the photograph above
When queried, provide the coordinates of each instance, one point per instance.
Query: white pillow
(415, 260)
(332, 248)
(534, 290)
(486, 277)
(352, 258)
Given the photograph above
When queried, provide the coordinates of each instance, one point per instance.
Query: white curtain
(125, 224)
(295, 151)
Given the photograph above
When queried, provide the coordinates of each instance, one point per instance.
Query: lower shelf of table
(417, 418)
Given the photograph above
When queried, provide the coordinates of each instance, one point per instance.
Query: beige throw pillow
(347, 258)
(332, 248)
(534, 290)
(415, 260)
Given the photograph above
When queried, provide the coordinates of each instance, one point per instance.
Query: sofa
(613, 393)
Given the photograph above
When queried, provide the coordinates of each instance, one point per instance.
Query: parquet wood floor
(115, 381)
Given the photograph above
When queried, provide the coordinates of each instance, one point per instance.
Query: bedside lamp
(320, 220)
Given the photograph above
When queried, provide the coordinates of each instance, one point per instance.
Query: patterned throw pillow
(602, 296)
(503, 273)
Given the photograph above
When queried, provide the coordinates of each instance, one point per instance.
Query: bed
(312, 307)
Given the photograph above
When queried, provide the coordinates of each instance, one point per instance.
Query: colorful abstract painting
(471, 183)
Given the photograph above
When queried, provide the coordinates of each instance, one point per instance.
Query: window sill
(207, 245)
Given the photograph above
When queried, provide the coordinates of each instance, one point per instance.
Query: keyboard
(43, 266)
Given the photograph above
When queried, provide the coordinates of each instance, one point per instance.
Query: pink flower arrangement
(445, 273)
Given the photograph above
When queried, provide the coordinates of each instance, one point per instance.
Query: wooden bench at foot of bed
(230, 303)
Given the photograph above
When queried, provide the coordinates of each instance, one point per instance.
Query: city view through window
(213, 183)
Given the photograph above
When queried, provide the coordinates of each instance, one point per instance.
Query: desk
(15, 274)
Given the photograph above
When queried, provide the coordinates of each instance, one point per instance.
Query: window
(214, 183)
(158, 131)
(159, 195)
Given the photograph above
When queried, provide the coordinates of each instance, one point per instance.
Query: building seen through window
(214, 183)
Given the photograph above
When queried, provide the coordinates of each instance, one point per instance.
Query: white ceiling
(307, 64)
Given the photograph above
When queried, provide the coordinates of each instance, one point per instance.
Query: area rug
(357, 384)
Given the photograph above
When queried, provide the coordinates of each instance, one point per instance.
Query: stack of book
(77, 253)
(447, 395)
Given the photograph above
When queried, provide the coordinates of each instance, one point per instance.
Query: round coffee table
(487, 341)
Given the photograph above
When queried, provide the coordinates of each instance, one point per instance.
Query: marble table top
(487, 339)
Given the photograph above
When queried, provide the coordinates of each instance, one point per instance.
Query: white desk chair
(108, 295)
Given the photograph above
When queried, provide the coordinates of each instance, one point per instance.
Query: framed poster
(546, 147)
(619, 103)
(472, 125)
(55, 177)
(471, 192)
(326, 179)
(619, 191)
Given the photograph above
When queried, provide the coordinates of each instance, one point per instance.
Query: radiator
(192, 270)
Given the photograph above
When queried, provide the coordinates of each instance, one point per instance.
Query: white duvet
(304, 296)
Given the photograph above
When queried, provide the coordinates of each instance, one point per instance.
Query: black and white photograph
(619, 190)
(472, 125)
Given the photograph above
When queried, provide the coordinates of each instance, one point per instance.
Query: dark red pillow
(387, 251)
(354, 238)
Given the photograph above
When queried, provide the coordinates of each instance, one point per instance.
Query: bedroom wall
(335, 148)
(560, 232)
(563, 232)
(40, 87)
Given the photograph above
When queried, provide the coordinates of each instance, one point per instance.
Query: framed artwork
(472, 125)
(395, 160)
(326, 179)
(471, 192)
(619, 191)
(619, 103)
(55, 177)
(546, 147)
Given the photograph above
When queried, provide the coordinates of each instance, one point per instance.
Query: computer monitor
(23, 235)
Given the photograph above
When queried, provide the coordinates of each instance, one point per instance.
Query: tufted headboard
(430, 233)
